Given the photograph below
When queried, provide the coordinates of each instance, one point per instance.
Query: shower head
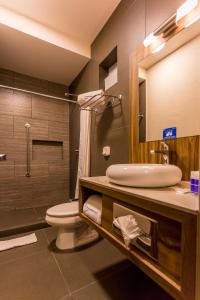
(2, 157)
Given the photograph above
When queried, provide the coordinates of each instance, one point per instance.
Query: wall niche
(47, 150)
(108, 72)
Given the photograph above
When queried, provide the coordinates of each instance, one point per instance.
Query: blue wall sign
(169, 133)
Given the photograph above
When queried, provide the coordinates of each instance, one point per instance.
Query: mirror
(169, 87)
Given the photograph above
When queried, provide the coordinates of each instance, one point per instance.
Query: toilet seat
(64, 210)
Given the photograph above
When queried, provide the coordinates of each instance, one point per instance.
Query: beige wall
(173, 92)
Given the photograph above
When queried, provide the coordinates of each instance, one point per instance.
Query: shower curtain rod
(38, 94)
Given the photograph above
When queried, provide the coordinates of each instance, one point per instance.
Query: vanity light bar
(185, 9)
(170, 26)
(149, 40)
(192, 21)
(160, 47)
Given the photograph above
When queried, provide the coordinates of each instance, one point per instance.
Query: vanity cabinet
(169, 254)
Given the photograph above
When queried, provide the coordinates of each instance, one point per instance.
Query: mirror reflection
(169, 92)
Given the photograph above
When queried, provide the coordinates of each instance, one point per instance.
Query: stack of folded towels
(129, 228)
(93, 208)
(97, 98)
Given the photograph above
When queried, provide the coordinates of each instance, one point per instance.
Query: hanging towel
(94, 96)
(128, 227)
(17, 242)
(84, 148)
(93, 208)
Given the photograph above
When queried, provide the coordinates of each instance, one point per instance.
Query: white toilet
(72, 230)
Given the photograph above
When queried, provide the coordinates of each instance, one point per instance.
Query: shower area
(35, 151)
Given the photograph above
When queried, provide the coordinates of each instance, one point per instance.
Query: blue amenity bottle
(194, 182)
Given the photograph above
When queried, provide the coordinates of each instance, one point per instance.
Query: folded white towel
(94, 96)
(17, 242)
(92, 215)
(129, 228)
(93, 208)
(86, 234)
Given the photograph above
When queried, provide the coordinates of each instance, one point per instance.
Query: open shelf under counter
(174, 217)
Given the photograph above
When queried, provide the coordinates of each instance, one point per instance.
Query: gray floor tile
(31, 278)
(23, 251)
(51, 233)
(88, 265)
(127, 284)
(93, 291)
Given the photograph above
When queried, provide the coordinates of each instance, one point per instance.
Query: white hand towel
(93, 208)
(17, 242)
(94, 96)
(129, 228)
(94, 203)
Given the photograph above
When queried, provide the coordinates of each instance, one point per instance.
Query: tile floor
(98, 272)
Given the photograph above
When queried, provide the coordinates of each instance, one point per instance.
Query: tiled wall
(49, 119)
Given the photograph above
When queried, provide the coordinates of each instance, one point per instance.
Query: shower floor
(22, 220)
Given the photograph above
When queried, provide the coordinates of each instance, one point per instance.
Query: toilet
(73, 232)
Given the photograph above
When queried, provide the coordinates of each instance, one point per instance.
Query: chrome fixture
(93, 102)
(164, 151)
(141, 117)
(187, 14)
(28, 163)
(2, 156)
(38, 94)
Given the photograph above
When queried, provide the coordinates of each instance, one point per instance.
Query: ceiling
(51, 39)
(31, 56)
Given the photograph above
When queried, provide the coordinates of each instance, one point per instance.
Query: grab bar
(28, 167)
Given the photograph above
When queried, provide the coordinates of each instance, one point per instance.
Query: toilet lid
(64, 210)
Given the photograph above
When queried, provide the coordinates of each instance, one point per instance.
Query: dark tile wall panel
(6, 126)
(7, 170)
(47, 150)
(126, 28)
(49, 119)
(39, 128)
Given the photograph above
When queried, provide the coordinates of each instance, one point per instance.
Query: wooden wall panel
(49, 119)
(184, 152)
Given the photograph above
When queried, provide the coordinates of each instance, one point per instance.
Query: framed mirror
(169, 88)
(165, 93)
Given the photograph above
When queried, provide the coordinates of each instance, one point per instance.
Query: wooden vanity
(172, 257)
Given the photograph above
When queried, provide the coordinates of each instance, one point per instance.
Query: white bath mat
(17, 242)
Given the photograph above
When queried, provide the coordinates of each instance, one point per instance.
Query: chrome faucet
(164, 151)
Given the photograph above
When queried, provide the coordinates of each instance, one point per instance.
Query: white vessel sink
(144, 175)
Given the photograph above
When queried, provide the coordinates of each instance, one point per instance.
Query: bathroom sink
(144, 175)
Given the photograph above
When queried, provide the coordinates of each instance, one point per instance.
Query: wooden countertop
(171, 196)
